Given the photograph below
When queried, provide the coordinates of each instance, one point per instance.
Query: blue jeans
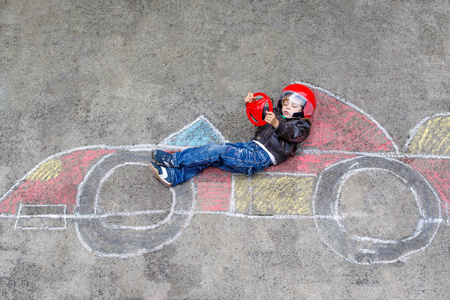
(245, 158)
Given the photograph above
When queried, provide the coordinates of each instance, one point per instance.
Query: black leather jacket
(283, 141)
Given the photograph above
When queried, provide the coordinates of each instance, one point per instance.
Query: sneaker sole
(156, 175)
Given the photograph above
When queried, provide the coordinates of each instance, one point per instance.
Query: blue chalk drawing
(198, 133)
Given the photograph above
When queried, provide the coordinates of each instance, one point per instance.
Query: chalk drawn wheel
(334, 228)
(105, 239)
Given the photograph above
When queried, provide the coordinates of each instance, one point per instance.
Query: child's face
(290, 108)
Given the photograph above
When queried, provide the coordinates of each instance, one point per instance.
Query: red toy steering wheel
(256, 110)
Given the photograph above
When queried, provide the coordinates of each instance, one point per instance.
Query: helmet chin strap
(298, 115)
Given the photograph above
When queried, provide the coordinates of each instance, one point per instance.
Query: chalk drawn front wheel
(333, 225)
(112, 240)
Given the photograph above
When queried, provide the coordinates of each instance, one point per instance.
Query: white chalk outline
(232, 198)
(110, 226)
(351, 173)
(376, 240)
(145, 250)
(334, 96)
(415, 130)
(337, 218)
(168, 139)
(165, 144)
(42, 216)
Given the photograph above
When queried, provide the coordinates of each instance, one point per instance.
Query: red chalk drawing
(54, 181)
(214, 190)
(343, 140)
(339, 127)
(437, 172)
(309, 163)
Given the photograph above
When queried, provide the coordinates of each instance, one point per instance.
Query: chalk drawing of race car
(344, 143)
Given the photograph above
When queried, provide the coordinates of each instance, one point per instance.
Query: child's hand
(249, 98)
(271, 119)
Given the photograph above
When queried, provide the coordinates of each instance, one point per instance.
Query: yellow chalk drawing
(433, 137)
(47, 170)
(274, 194)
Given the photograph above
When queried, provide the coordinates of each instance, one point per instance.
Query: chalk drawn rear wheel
(363, 249)
(121, 241)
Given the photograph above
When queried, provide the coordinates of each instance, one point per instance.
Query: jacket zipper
(266, 132)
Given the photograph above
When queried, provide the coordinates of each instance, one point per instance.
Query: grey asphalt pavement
(104, 82)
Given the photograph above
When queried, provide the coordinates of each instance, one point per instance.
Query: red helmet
(304, 94)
